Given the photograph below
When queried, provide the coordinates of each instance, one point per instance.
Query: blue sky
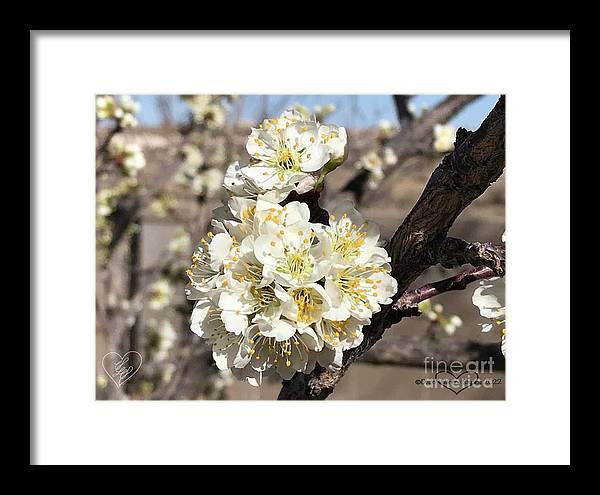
(352, 110)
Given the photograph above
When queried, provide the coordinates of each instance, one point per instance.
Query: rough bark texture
(462, 176)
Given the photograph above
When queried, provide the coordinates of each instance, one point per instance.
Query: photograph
(253, 247)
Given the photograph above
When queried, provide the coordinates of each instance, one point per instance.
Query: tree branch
(415, 137)
(405, 116)
(406, 303)
(456, 252)
(462, 176)
(412, 351)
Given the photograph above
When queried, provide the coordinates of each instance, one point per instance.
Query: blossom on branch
(444, 136)
(122, 110)
(128, 157)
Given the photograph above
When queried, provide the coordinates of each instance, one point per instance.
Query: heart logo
(454, 383)
(119, 368)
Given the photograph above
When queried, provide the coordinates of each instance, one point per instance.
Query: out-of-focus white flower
(162, 336)
(106, 107)
(192, 156)
(167, 372)
(101, 382)
(160, 294)
(198, 103)
(218, 157)
(207, 109)
(412, 108)
(387, 129)
(128, 105)
(389, 156)
(180, 243)
(106, 199)
(452, 324)
(207, 181)
(319, 112)
(322, 112)
(373, 163)
(435, 314)
(303, 110)
(163, 205)
(128, 120)
(444, 136)
(127, 156)
(123, 110)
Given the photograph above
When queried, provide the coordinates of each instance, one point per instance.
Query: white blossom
(444, 136)
(387, 129)
(489, 298)
(106, 107)
(122, 110)
(129, 157)
(163, 205)
(435, 314)
(161, 293)
(207, 109)
(285, 154)
(180, 243)
(207, 181)
(375, 162)
(162, 337)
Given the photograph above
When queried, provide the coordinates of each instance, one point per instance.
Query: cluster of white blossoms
(375, 162)
(122, 110)
(386, 129)
(275, 292)
(195, 173)
(207, 109)
(435, 314)
(127, 156)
